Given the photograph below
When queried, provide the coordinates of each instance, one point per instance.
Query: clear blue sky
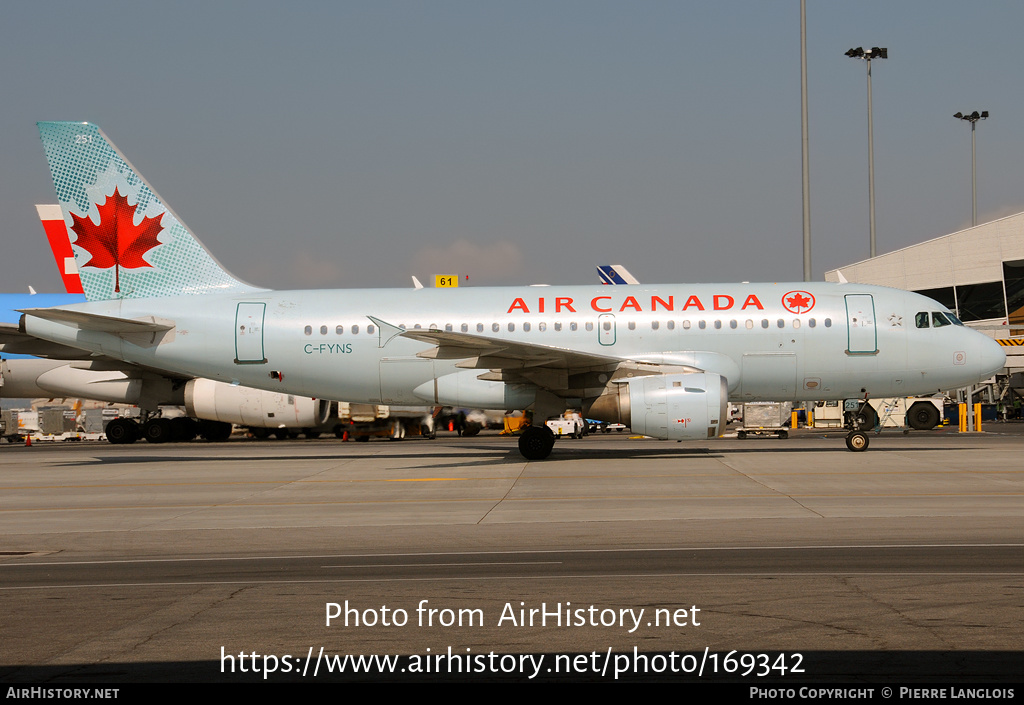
(339, 144)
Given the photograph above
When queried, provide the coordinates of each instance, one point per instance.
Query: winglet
(386, 331)
(416, 283)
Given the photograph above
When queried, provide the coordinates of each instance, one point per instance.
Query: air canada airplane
(663, 359)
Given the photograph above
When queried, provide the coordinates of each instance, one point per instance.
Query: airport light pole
(973, 118)
(804, 141)
(867, 55)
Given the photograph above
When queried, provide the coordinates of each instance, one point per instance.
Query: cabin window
(464, 327)
(654, 325)
(355, 330)
(764, 322)
(573, 326)
(686, 325)
(526, 327)
(558, 327)
(590, 325)
(828, 322)
(749, 324)
(671, 325)
(308, 330)
(796, 322)
(732, 324)
(323, 330)
(542, 326)
(448, 327)
(479, 327)
(812, 323)
(781, 323)
(718, 325)
(369, 329)
(339, 330)
(702, 325)
(495, 327)
(511, 327)
(631, 325)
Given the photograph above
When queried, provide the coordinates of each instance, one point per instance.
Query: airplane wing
(562, 371)
(479, 352)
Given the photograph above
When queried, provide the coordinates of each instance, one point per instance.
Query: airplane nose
(990, 356)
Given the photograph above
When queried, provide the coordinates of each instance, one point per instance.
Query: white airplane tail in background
(615, 274)
(127, 242)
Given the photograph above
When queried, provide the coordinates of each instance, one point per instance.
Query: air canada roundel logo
(798, 301)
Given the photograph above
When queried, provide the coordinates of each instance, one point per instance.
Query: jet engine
(679, 407)
(217, 401)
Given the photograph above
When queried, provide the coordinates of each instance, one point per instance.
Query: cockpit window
(950, 316)
(939, 320)
(921, 319)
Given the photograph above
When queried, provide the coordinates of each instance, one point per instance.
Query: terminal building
(978, 273)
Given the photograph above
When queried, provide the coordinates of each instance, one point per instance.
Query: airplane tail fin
(615, 274)
(57, 234)
(127, 242)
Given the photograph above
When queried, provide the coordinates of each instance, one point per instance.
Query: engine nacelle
(682, 407)
(465, 390)
(245, 406)
(60, 378)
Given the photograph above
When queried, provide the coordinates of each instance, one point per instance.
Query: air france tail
(127, 242)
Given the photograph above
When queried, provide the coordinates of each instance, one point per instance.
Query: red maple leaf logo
(798, 301)
(117, 241)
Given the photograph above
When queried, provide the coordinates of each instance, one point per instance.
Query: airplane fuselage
(769, 341)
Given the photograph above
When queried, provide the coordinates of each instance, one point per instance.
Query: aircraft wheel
(857, 441)
(259, 433)
(536, 442)
(122, 431)
(215, 430)
(185, 429)
(158, 430)
(923, 416)
(471, 428)
(865, 420)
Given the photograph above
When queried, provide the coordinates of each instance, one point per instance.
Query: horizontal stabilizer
(14, 342)
(96, 322)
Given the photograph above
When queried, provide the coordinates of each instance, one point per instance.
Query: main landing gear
(536, 442)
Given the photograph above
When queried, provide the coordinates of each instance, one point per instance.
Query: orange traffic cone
(28, 441)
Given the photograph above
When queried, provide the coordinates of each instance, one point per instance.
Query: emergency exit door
(249, 334)
(862, 337)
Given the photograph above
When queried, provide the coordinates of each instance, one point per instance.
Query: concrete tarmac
(159, 562)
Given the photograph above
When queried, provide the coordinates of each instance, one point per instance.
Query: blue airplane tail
(127, 242)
